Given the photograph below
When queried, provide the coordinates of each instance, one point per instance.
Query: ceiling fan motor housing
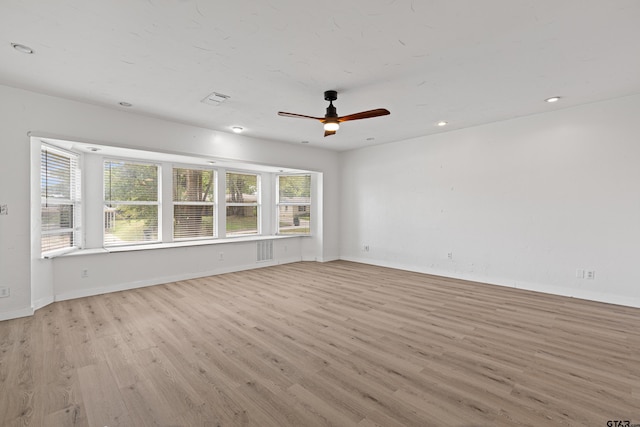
(332, 113)
(330, 95)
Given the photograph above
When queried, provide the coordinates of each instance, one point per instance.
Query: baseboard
(545, 289)
(15, 314)
(42, 302)
(328, 259)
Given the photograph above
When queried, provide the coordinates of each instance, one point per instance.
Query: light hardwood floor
(311, 344)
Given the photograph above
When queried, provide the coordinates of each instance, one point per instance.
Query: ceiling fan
(331, 120)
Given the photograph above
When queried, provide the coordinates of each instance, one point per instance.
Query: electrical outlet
(4, 210)
(365, 248)
(450, 255)
(221, 256)
(84, 273)
(590, 274)
(4, 292)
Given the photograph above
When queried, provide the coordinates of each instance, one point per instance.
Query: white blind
(130, 202)
(294, 204)
(60, 198)
(295, 189)
(193, 203)
(242, 199)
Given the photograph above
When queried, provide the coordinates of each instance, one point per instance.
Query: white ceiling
(468, 62)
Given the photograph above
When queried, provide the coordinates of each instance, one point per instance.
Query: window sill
(183, 244)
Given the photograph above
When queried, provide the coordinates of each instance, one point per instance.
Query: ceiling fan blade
(299, 116)
(329, 132)
(365, 115)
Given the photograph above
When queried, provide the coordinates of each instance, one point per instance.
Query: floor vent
(265, 250)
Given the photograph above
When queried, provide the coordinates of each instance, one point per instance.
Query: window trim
(257, 203)
(278, 204)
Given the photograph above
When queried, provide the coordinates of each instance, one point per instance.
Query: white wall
(520, 203)
(22, 112)
(109, 272)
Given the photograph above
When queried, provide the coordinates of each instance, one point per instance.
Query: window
(294, 204)
(60, 199)
(157, 200)
(131, 204)
(193, 203)
(243, 204)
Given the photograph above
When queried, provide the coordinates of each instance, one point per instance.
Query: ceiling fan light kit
(331, 126)
(331, 120)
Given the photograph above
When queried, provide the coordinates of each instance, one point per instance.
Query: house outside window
(294, 204)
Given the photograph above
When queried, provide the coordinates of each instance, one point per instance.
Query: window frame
(257, 204)
(214, 201)
(279, 203)
(157, 203)
(74, 200)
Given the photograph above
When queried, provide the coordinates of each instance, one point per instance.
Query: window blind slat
(124, 181)
(192, 221)
(60, 196)
(193, 209)
(192, 185)
(294, 204)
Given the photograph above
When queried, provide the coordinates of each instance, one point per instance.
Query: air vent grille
(215, 99)
(265, 250)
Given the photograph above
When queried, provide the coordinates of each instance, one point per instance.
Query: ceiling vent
(215, 99)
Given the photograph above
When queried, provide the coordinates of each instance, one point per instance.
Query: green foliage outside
(242, 188)
(295, 188)
(242, 223)
(129, 230)
(193, 186)
(132, 182)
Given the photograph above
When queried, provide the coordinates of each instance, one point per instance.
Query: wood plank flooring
(312, 344)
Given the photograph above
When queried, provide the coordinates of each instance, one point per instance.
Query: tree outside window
(193, 203)
(130, 202)
(242, 203)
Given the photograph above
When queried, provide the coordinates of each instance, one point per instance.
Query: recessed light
(237, 129)
(371, 138)
(211, 162)
(93, 149)
(442, 123)
(553, 99)
(22, 48)
(125, 104)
